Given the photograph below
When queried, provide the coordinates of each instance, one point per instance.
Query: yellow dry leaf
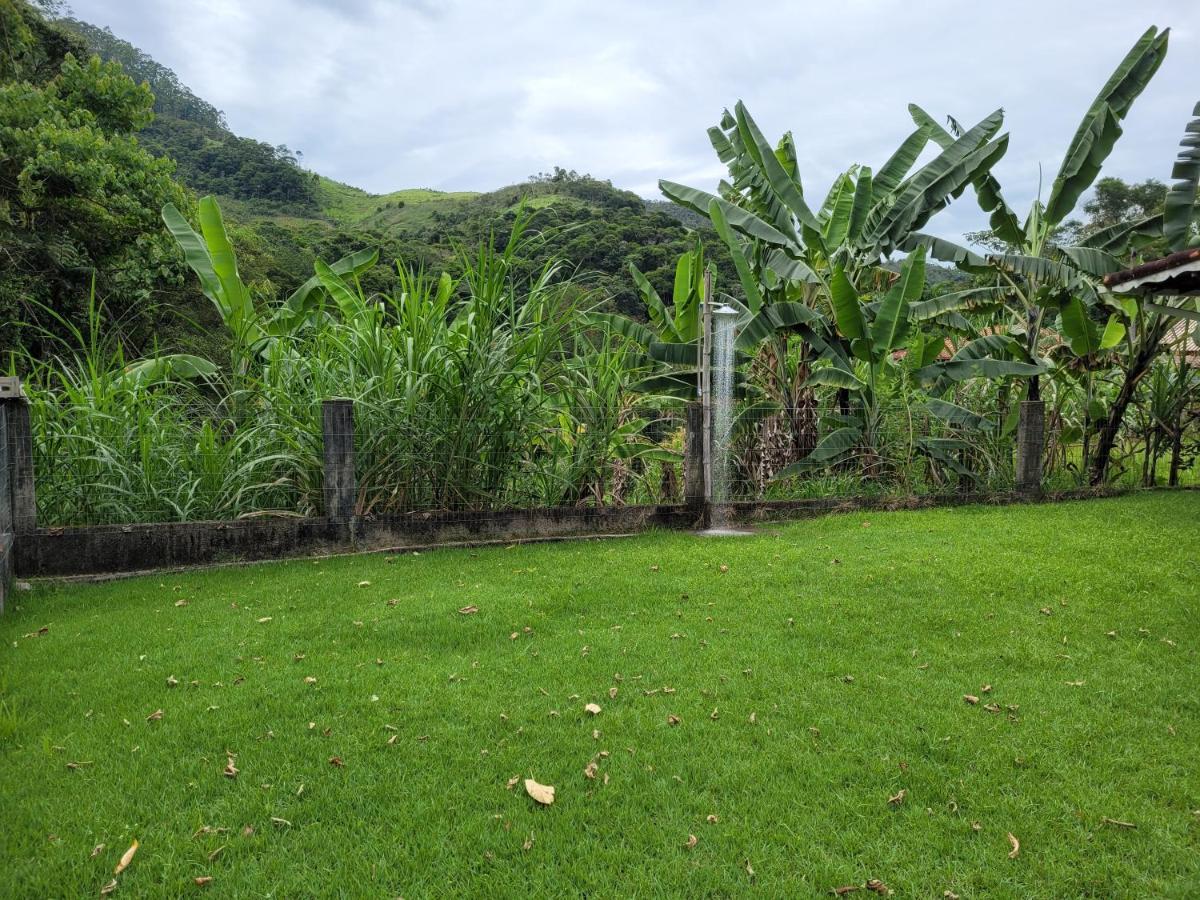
(468, 610)
(692, 841)
(612, 693)
(108, 888)
(203, 880)
(542, 793)
(97, 850)
(126, 858)
(673, 720)
(512, 782)
(1015, 844)
(592, 709)
(264, 620)
(897, 799)
(970, 698)
(712, 820)
(155, 716)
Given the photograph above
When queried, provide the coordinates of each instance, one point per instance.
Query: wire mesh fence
(597, 457)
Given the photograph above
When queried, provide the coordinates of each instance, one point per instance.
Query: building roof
(1177, 275)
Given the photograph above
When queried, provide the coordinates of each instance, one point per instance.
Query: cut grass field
(817, 671)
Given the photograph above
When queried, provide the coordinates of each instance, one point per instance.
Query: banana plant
(210, 254)
(1036, 276)
(1149, 321)
(786, 251)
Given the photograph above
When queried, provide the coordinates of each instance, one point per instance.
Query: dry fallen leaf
(612, 693)
(468, 610)
(181, 602)
(897, 799)
(749, 869)
(724, 568)
(282, 823)
(155, 716)
(542, 793)
(203, 880)
(108, 888)
(592, 709)
(591, 770)
(126, 858)
(97, 850)
(264, 620)
(337, 762)
(846, 889)
(230, 771)
(712, 820)
(949, 895)
(971, 699)
(874, 884)
(673, 720)
(691, 842)
(364, 584)
(528, 845)
(1015, 844)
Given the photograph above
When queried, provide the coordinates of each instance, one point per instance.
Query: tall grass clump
(486, 392)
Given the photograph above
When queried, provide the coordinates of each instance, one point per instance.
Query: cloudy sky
(466, 94)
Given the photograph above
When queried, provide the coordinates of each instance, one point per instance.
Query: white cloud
(473, 95)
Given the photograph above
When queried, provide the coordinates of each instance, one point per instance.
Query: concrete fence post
(694, 493)
(18, 501)
(337, 431)
(22, 497)
(1031, 445)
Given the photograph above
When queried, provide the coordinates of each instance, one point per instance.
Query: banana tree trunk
(1136, 371)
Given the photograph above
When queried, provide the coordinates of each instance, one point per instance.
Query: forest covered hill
(282, 216)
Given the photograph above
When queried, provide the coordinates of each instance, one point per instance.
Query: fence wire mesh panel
(172, 460)
(845, 449)
(105, 470)
(585, 458)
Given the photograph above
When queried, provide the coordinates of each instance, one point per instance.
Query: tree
(78, 196)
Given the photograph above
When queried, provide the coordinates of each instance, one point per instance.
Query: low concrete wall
(108, 549)
(128, 548)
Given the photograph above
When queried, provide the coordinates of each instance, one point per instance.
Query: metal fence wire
(594, 458)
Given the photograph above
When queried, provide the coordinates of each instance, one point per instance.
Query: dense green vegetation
(536, 342)
(284, 218)
(818, 683)
(79, 196)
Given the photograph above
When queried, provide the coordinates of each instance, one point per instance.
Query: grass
(351, 205)
(849, 640)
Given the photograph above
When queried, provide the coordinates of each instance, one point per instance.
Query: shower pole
(705, 389)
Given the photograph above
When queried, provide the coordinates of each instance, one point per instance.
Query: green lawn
(817, 670)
